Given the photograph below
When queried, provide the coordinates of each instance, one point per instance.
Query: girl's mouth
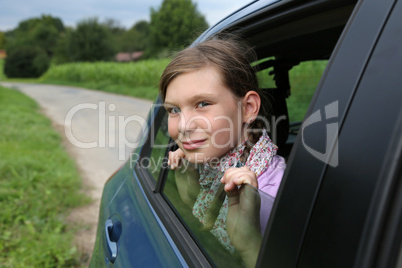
(192, 145)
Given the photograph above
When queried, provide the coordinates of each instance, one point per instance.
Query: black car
(340, 200)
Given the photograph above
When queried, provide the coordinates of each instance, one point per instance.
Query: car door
(332, 208)
(130, 233)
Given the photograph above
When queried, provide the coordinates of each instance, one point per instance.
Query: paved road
(100, 130)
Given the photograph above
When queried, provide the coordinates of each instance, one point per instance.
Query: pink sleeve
(270, 180)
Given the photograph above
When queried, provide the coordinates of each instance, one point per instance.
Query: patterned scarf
(258, 160)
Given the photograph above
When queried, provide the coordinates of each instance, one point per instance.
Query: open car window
(303, 79)
(289, 86)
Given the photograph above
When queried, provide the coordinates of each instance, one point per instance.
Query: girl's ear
(251, 106)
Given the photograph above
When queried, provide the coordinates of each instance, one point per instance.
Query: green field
(304, 79)
(139, 79)
(39, 185)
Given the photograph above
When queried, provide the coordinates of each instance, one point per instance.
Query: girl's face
(205, 118)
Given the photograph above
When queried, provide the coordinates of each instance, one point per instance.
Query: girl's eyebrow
(202, 96)
(167, 105)
(192, 99)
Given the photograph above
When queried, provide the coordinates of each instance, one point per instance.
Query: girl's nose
(187, 122)
(182, 124)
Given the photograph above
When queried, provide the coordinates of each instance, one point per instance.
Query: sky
(125, 12)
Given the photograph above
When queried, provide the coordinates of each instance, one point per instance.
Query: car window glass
(156, 159)
(182, 190)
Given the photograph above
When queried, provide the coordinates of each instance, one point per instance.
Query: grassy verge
(39, 184)
(2, 76)
(139, 79)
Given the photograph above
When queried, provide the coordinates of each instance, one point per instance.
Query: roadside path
(98, 129)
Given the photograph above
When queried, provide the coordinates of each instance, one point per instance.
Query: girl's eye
(173, 110)
(202, 104)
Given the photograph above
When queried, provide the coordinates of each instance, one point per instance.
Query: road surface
(100, 130)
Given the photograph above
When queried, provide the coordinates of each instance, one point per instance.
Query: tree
(61, 54)
(31, 45)
(135, 39)
(40, 32)
(129, 41)
(45, 36)
(142, 28)
(2, 40)
(91, 41)
(175, 24)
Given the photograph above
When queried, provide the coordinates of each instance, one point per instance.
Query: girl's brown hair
(233, 58)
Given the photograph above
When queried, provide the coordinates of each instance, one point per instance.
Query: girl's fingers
(173, 160)
(168, 162)
(234, 177)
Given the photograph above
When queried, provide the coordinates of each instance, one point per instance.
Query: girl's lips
(192, 145)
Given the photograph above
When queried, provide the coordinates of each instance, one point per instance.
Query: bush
(26, 62)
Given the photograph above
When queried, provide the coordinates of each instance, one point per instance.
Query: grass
(138, 79)
(39, 184)
(304, 79)
(2, 76)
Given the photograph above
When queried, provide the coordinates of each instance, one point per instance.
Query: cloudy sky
(126, 12)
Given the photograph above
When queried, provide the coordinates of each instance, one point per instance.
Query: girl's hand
(186, 176)
(243, 218)
(175, 158)
(234, 177)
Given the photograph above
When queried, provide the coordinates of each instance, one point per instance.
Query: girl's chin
(202, 160)
(197, 160)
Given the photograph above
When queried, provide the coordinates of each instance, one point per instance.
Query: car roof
(290, 25)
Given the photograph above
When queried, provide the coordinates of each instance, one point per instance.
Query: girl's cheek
(173, 128)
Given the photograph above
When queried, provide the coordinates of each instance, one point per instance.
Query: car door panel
(124, 199)
(303, 178)
(347, 191)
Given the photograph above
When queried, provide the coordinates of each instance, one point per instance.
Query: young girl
(217, 118)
